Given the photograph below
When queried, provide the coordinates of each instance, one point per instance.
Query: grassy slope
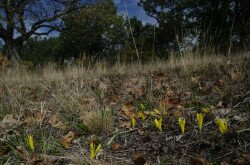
(88, 101)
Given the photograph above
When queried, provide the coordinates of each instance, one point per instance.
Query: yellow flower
(156, 112)
(223, 125)
(142, 115)
(94, 151)
(142, 107)
(200, 118)
(30, 142)
(133, 121)
(208, 109)
(158, 123)
(182, 123)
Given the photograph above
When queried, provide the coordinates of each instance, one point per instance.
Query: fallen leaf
(170, 93)
(169, 103)
(198, 161)
(177, 113)
(224, 163)
(67, 139)
(244, 160)
(219, 105)
(219, 83)
(126, 124)
(178, 106)
(137, 92)
(34, 160)
(55, 121)
(234, 73)
(34, 117)
(195, 79)
(139, 160)
(20, 151)
(115, 146)
(247, 157)
(140, 131)
(128, 109)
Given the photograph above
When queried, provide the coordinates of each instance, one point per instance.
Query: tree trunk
(12, 52)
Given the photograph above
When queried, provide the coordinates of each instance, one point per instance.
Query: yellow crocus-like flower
(158, 123)
(182, 123)
(142, 107)
(94, 151)
(208, 109)
(133, 121)
(30, 142)
(200, 118)
(223, 125)
(156, 112)
(142, 115)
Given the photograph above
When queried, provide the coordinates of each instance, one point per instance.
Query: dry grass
(90, 71)
(88, 97)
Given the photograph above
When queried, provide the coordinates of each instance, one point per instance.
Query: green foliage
(98, 31)
(217, 24)
(93, 30)
(39, 51)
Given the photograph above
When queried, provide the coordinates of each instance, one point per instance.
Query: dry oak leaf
(170, 93)
(55, 121)
(177, 113)
(198, 161)
(35, 160)
(115, 146)
(169, 103)
(67, 139)
(139, 160)
(34, 117)
(244, 160)
(128, 109)
(137, 92)
(224, 163)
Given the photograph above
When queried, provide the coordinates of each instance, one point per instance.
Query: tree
(39, 50)
(170, 16)
(217, 24)
(143, 38)
(93, 30)
(21, 19)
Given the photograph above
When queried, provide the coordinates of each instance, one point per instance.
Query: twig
(241, 102)
(7, 161)
(229, 153)
(243, 130)
(116, 133)
(224, 155)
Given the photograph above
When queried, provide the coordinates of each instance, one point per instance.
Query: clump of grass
(98, 121)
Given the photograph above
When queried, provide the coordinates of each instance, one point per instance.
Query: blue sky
(133, 10)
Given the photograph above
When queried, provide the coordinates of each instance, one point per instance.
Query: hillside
(64, 111)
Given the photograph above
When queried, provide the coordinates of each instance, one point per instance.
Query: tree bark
(12, 52)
